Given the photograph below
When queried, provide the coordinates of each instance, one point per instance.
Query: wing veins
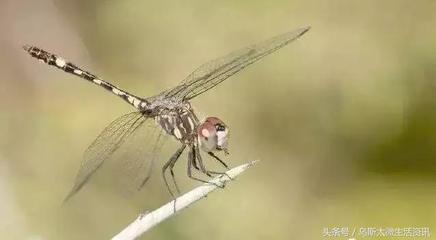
(205, 76)
(91, 164)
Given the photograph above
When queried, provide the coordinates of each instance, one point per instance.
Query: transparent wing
(214, 72)
(142, 170)
(109, 140)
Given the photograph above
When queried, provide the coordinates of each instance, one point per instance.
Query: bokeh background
(343, 120)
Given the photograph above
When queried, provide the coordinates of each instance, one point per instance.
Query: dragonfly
(170, 111)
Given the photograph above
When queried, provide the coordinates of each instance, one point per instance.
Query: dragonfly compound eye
(220, 127)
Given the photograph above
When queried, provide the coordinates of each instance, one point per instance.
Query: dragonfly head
(213, 135)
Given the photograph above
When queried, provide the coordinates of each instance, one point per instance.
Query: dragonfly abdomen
(58, 62)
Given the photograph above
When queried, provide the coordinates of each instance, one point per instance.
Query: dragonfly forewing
(214, 72)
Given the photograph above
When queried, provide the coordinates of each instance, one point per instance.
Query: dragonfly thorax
(179, 121)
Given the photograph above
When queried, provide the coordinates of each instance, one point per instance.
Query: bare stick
(145, 222)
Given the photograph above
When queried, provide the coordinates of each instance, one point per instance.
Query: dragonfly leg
(194, 163)
(218, 159)
(173, 177)
(191, 156)
(203, 168)
(200, 162)
(171, 163)
(222, 162)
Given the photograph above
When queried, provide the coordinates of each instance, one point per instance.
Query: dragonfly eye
(220, 127)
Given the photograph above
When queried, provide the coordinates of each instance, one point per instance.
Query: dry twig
(145, 222)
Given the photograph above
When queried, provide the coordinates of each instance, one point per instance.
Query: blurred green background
(343, 120)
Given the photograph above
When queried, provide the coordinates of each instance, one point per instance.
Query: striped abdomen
(54, 60)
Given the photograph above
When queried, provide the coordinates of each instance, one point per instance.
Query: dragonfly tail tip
(26, 47)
